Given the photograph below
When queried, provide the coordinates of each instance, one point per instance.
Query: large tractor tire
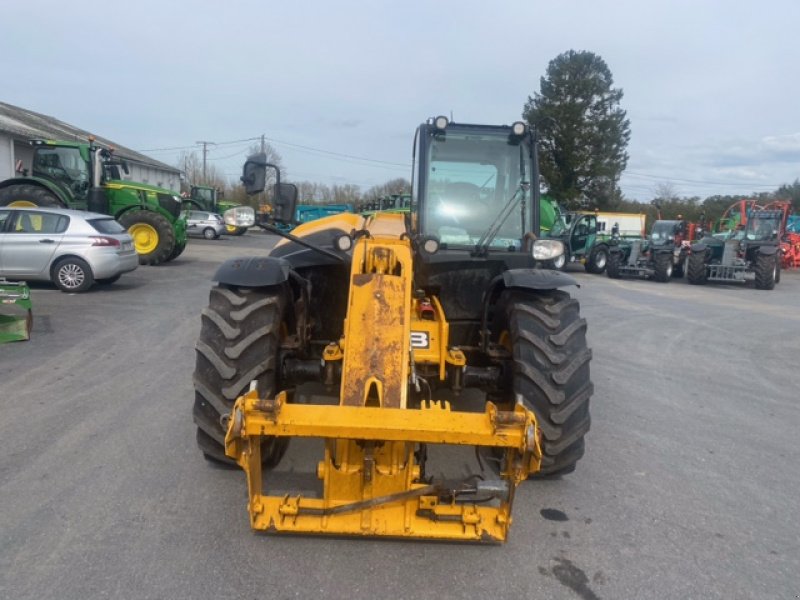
(28, 195)
(766, 270)
(663, 267)
(177, 250)
(551, 371)
(598, 260)
(239, 342)
(153, 235)
(233, 230)
(612, 268)
(696, 272)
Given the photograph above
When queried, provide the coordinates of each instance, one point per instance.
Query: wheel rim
(230, 228)
(600, 260)
(209, 234)
(669, 270)
(145, 237)
(71, 276)
(559, 262)
(22, 204)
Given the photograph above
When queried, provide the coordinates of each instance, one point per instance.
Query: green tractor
(84, 176)
(205, 197)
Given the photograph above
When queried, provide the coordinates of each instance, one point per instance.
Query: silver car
(73, 249)
(209, 225)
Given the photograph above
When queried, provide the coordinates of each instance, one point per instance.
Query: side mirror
(124, 165)
(254, 174)
(240, 216)
(284, 203)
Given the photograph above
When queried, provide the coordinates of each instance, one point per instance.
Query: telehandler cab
(399, 312)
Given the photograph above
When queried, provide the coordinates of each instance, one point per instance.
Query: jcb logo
(419, 339)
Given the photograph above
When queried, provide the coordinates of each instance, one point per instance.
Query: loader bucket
(16, 317)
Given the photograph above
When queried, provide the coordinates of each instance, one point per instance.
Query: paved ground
(689, 488)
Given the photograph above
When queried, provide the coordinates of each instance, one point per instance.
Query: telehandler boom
(402, 313)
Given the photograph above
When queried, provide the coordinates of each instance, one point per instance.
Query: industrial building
(19, 125)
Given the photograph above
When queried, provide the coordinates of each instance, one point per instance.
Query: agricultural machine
(745, 246)
(205, 197)
(582, 242)
(85, 176)
(16, 316)
(398, 315)
(661, 256)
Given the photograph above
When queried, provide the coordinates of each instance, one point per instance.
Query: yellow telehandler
(401, 313)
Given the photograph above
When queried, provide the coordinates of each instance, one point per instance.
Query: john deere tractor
(85, 176)
(399, 315)
(661, 257)
(744, 253)
(205, 197)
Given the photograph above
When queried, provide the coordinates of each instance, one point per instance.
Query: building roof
(32, 125)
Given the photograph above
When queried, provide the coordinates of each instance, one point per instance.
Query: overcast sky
(711, 88)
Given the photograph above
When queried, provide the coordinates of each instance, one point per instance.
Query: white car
(72, 248)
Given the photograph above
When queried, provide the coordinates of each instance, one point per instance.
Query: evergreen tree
(583, 132)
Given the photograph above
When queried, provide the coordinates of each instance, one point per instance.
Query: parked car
(73, 249)
(208, 224)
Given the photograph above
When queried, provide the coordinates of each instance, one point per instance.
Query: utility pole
(263, 144)
(205, 151)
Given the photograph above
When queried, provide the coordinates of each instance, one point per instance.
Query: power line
(696, 181)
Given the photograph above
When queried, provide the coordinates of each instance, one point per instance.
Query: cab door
(583, 234)
(30, 241)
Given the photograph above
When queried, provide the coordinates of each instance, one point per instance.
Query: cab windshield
(471, 178)
(762, 227)
(65, 165)
(205, 195)
(663, 231)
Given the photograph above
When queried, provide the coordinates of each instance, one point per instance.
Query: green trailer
(84, 176)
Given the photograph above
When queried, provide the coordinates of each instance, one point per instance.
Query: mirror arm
(302, 242)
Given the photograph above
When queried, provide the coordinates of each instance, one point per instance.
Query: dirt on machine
(85, 176)
(400, 317)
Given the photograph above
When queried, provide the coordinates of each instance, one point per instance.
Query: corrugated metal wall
(13, 149)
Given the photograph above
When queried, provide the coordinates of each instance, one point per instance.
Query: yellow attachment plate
(371, 481)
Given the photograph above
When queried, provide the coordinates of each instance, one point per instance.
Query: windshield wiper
(482, 247)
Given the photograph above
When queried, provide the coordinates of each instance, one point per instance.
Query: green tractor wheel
(26, 195)
(178, 250)
(153, 235)
(696, 272)
(663, 267)
(612, 268)
(766, 270)
(234, 230)
(598, 260)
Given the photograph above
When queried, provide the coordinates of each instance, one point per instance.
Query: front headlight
(547, 249)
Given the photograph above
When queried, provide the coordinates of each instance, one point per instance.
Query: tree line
(582, 133)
